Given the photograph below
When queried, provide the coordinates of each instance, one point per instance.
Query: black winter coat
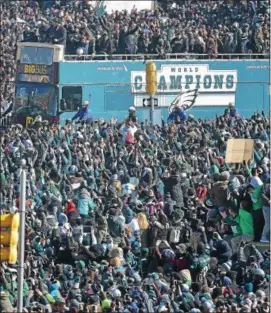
(174, 187)
(58, 35)
(126, 41)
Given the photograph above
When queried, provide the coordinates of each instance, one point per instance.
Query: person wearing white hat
(233, 111)
(84, 113)
(132, 115)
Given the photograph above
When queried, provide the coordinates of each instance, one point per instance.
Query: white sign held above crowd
(128, 5)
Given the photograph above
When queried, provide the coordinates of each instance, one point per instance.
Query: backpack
(174, 236)
(129, 139)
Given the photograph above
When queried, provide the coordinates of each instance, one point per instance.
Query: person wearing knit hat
(260, 294)
(80, 265)
(95, 266)
(248, 287)
(227, 282)
(225, 176)
(59, 305)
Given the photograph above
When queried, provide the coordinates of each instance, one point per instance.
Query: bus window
(36, 55)
(32, 99)
(72, 96)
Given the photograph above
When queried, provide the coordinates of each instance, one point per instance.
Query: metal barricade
(169, 56)
(5, 122)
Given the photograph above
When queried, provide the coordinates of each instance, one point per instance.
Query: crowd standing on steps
(128, 217)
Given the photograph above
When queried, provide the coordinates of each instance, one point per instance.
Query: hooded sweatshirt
(85, 203)
(223, 251)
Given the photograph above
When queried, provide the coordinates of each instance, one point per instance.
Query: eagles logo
(184, 101)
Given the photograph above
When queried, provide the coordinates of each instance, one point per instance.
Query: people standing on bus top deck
(232, 111)
(57, 33)
(83, 113)
(177, 115)
(132, 115)
(43, 31)
(30, 35)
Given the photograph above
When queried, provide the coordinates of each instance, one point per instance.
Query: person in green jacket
(233, 220)
(255, 191)
(5, 303)
(245, 225)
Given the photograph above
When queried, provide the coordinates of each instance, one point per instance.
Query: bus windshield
(36, 55)
(33, 99)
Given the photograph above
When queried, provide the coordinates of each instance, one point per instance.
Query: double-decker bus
(53, 85)
(37, 80)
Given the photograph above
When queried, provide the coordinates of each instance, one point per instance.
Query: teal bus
(54, 85)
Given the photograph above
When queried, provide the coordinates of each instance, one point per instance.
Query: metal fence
(6, 121)
(171, 56)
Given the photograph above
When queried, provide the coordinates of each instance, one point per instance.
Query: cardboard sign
(239, 150)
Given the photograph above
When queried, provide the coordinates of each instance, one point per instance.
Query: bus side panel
(116, 85)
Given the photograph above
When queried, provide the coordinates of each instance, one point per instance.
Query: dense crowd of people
(200, 27)
(128, 217)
